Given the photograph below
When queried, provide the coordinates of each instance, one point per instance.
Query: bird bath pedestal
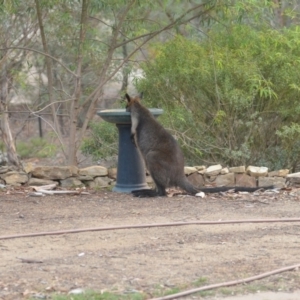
(131, 171)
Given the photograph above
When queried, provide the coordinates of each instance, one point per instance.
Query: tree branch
(42, 53)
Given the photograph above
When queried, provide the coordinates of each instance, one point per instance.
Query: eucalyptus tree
(79, 47)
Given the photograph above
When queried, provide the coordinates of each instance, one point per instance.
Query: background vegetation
(225, 72)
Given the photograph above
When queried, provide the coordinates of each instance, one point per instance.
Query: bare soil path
(150, 260)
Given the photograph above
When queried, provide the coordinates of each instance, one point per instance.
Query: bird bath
(131, 171)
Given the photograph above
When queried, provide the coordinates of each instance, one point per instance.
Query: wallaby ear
(141, 95)
(127, 97)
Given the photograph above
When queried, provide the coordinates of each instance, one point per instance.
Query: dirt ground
(149, 260)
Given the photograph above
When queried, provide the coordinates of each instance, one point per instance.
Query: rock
(39, 182)
(189, 170)
(293, 179)
(202, 172)
(225, 180)
(294, 175)
(28, 167)
(71, 182)
(240, 169)
(3, 158)
(4, 169)
(210, 180)
(85, 178)
(224, 171)
(196, 179)
(257, 171)
(56, 173)
(213, 170)
(200, 168)
(245, 180)
(112, 173)
(278, 182)
(99, 182)
(279, 173)
(14, 178)
(94, 171)
(77, 291)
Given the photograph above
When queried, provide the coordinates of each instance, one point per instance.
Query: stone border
(101, 177)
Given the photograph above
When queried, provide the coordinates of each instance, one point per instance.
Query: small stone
(4, 169)
(14, 178)
(112, 173)
(213, 170)
(85, 178)
(278, 182)
(240, 169)
(294, 175)
(40, 182)
(202, 172)
(189, 170)
(224, 171)
(225, 180)
(28, 167)
(283, 172)
(200, 194)
(293, 179)
(77, 291)
(94, 171)
(279, 173)
(210, 180)
(70, 182)
(99, 182)
(54, 173)
(257, 171)
(196, 179)
(245, 180)
(200, 168)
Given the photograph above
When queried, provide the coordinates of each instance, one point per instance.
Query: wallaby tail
(187, 186)
(235, 189)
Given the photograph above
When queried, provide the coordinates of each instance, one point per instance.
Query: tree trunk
(73, 146)
(4, 125)
(49, 73)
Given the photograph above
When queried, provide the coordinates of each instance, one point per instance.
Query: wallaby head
(131, 101)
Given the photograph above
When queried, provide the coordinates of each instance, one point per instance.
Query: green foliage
(102, 142)
(36, 147)
(290, 137)
(226, 97)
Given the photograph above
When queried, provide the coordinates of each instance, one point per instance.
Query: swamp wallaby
(162, 154)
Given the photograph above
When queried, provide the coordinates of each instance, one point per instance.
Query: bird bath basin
(131, 171)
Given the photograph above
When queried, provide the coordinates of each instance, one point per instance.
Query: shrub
(35, 147)
(102, 142)
(226, 96)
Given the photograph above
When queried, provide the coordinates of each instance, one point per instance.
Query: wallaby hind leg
(145, 193)
(159, 191)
